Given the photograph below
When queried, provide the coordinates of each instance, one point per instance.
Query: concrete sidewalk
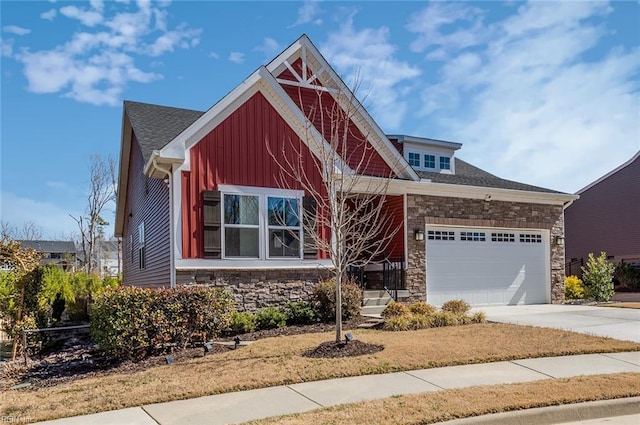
(238, 407)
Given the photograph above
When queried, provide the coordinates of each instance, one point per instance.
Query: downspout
(172, 273)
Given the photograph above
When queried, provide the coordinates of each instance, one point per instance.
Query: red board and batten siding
(359, 155)
(235, 153)
(606, 217)
(148, 202)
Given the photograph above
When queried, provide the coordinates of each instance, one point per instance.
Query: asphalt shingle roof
(155, 125)
(49, 246)
(470, 175)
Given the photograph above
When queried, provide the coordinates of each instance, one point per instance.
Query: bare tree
(29, 230)
(99, 194)
(349, 202)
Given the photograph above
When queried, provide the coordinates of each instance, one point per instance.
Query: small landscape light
(237, 341)
(207, 347)
(169, 359)
(348, 338)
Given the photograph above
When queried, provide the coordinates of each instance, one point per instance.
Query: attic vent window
(430, 161)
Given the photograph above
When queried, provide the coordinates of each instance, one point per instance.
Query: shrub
(395, 309)
(299, 313)
(456, 306)
(627, 276)
(444, 318)
(422, 308)
(478, 317)
(420, 321)
(598, 278)
(132, 323)
(573, 288)
(397, 323)
(243, 322)
(324, 299)
(270, 318)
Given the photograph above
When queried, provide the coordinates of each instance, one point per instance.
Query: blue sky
(546, 93)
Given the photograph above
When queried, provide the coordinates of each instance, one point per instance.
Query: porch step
(375, 293)
(372, 310)
(371, 323)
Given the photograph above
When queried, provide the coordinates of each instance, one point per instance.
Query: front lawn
(278, 361)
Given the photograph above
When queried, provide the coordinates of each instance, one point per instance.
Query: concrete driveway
(619, 323)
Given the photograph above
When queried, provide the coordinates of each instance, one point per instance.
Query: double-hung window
(445, 163)
(261, 223)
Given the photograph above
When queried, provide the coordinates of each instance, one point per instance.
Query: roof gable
(633, 159)
(265, 81)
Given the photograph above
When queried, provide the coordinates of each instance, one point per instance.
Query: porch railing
(393, 277)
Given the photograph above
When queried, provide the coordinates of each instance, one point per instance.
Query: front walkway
(238, 407)
(618, 323)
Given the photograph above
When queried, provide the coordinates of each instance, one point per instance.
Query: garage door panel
(486, 272)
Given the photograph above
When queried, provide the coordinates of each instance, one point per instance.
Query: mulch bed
(335, 350)
(79, 358)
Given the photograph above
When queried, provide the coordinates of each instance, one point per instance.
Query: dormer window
(445, 163)
(430, 161)
(414, 159)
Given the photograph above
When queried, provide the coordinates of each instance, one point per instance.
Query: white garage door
(487, 266)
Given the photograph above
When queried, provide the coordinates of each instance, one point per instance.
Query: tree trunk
(16, 338)
(338, 308)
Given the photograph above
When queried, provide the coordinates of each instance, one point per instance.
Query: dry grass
(622, 304)
(428, 408)
(277, 361)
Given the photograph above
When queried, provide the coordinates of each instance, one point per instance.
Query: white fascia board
(400, 187)
(402, 138)
(381, 144)
(248, 264)
(158, 166)
(123, 173)
(178, 147)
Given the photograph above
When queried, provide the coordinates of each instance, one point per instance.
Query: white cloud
(49, 15)
(529, 106)
(236, 57)
(94, 65)
(368, 58)
(14, 29)
(214, 55)
(269, 47)
(90, 18)
(307, 14)
(50, 217)
(6, 47)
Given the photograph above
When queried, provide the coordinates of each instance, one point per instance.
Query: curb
(557, 414)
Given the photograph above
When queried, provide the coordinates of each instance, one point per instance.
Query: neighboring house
(109, 262)
(465, 233)
(60, 253)
(606, 218)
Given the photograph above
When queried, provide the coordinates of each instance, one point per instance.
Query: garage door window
(438, 235)
(503, 237)
(527, 238)
(472, 236)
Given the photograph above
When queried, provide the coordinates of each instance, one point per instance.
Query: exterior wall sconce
(560, 240)
(418, 234)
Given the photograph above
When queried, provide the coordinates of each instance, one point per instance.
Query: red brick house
(465, 233)
(606, 217)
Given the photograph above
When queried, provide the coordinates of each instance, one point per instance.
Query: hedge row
(132, 323)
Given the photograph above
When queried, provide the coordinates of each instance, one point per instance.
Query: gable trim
(610, 173)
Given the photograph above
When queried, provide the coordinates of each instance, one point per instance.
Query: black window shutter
(212, 222)
(309, 205)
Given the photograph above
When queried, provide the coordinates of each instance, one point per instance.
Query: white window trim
(263, 194)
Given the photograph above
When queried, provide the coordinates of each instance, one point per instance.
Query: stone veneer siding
(425, 209)
(254, 289)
